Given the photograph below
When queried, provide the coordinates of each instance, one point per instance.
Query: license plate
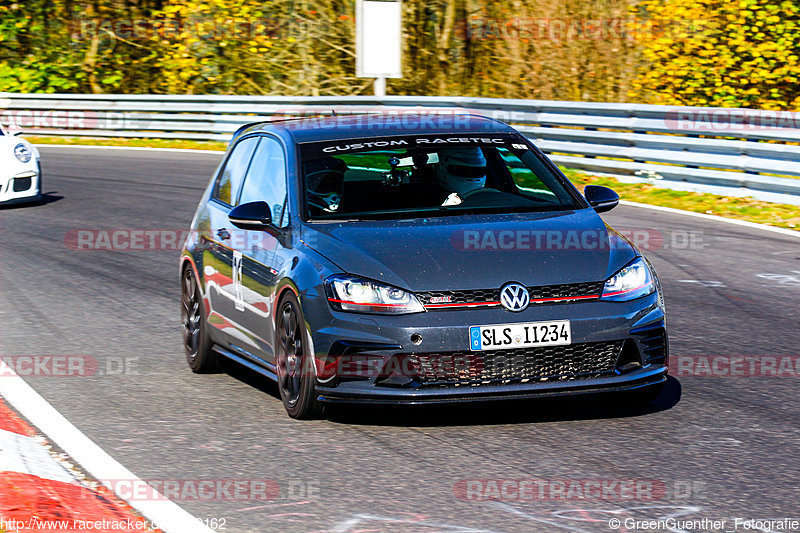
(525, 335)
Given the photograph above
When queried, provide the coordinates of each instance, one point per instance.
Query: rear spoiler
(238, 132)
(241, 129)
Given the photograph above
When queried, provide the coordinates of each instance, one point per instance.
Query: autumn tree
(686, 52)
(742, 53)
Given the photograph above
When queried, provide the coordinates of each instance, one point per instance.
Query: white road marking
(704, 283)
(350, 523)
(273, 506)
(782, 279)
(602, 516)
(541, 520)
(651, 511)
(714, 218)
(724, 441)
(166, 514)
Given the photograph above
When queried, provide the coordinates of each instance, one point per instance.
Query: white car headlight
(351, 293)
(22, 153)
(632, 281)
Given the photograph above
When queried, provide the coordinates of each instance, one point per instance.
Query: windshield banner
(331, 148)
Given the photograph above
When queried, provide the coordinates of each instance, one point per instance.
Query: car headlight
(22, 152)
(351, 293)
(632, 281)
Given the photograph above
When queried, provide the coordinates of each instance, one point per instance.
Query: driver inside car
(325, 183)
(460, 171)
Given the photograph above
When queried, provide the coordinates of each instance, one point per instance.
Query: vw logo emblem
(514, 297)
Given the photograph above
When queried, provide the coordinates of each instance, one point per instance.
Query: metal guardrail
(746, 148)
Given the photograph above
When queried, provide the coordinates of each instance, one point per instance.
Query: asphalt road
(713, 447)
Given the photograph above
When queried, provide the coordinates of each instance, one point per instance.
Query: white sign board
(379, 41)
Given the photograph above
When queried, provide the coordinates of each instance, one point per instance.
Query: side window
(266, 179)
(231, 178)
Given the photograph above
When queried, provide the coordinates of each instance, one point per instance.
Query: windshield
(406, 177)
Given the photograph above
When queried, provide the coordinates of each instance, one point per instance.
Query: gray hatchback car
(411, 260)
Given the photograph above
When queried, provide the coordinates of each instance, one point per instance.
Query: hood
(476, 251)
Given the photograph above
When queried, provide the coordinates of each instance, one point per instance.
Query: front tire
(294, 361)
(196, 342)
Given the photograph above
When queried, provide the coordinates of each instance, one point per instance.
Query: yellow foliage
(752, 45)
(246, 46)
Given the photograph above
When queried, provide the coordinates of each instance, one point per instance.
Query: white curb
(167, 515)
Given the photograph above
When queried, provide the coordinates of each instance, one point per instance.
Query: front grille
(546, 363)
(460, 297)
(566, 290)
(432, 299)
(21, 184)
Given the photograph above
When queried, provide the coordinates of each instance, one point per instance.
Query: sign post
(379, 41)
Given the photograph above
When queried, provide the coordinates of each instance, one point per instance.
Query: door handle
(223, 234)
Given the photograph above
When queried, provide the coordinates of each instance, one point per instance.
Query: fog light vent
(629, 359)
(21, 184)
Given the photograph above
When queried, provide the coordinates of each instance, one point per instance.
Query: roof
(387, 124)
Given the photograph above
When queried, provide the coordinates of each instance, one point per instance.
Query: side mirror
(253, 216)
(601, 198)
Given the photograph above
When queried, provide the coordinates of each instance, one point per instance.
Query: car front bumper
(364, 393)
(20, 187)
(639, 326)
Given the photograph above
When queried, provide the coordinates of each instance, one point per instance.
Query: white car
(20, 170)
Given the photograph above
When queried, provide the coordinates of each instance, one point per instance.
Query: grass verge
(750, 209)
(120, 141)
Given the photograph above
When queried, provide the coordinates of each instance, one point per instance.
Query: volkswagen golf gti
(414, 259)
